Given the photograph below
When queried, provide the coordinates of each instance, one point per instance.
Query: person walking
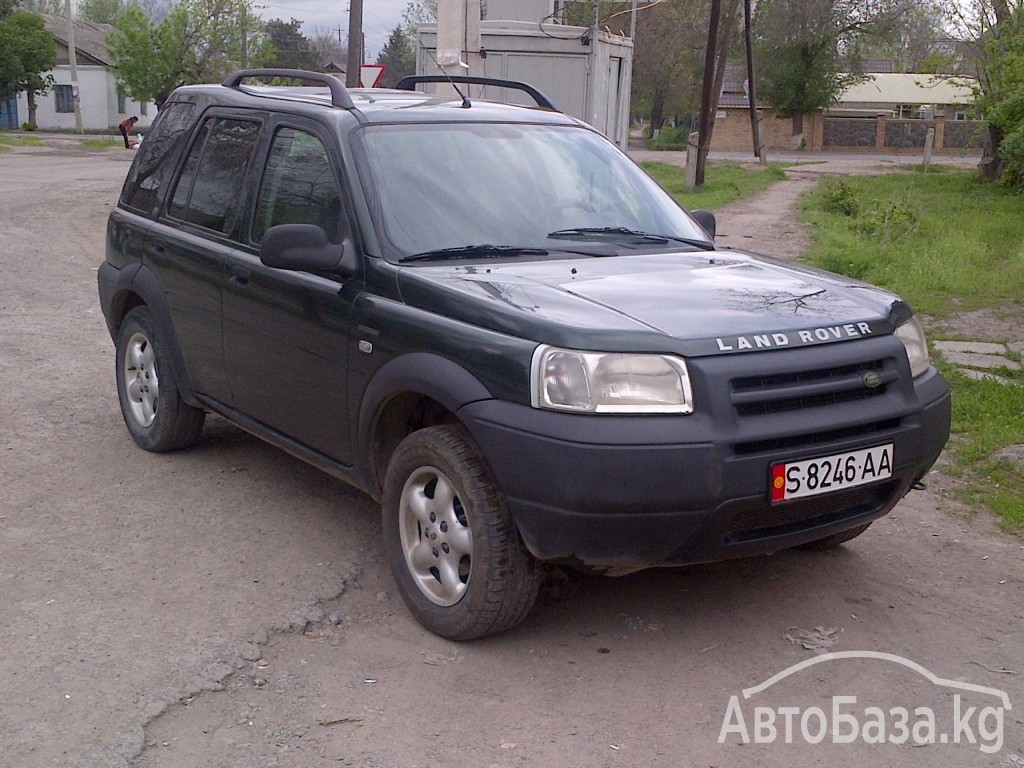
(126, 127)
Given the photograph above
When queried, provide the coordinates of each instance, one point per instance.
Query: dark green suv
(487, 317)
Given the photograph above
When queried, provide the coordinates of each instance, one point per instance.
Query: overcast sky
(379, 18)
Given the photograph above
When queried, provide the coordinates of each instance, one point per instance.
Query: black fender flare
(422, 373)
(143, 283)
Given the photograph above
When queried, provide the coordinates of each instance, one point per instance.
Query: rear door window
(209, 189)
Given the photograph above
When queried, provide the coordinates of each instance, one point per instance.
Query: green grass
(946, 243)
(987, 417)
(723, 182)
(101, 143)
(8, 140)
(943, 241)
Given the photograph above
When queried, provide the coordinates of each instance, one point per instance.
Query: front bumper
(643, 491)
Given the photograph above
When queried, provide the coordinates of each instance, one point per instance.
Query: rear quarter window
(147, 180)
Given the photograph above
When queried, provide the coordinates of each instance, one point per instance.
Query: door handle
(239, 276)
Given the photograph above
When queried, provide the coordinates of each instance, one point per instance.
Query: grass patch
(723, 182)
(100, 143)
(946, 243)
(8, 140)
(943, 241)
(987, 417)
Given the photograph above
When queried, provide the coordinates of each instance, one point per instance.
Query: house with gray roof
(102, 107)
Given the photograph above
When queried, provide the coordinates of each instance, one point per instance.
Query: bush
(837, 196)
(887, 221)
(29, 127)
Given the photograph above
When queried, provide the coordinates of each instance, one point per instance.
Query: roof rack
(409, 83)
(339, 94)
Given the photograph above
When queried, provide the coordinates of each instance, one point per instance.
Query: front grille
(814, 438)
(809, 513)
(822, 387)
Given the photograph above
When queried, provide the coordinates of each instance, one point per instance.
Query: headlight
(606, 382)
(912, 336)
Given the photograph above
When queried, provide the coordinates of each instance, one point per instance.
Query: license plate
(813, 477)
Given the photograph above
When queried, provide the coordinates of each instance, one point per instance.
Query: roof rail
(339, 94)
(408, 83)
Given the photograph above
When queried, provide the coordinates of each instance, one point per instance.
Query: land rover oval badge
(871, 380)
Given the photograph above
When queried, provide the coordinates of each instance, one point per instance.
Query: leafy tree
(809, 51)
(398, 58)
(7, 8)
(199, 41)
(103, 11)
(52, 7)
(27, 50)
(292, 49)
(1004, 97)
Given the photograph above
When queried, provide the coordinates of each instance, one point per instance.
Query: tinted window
(143, 190)
(298, 186)
(215, 170)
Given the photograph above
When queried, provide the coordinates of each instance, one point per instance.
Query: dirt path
(228, 606)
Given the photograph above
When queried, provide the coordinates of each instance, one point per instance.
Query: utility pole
(353, 69)
(755, 121)
(707, 99)
(73, 67)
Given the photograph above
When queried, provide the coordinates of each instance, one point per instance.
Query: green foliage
(398, 58)
(837, 196)
(27, 50)
(29, 127)
(103, 11)
(723, 183)
(1004, 97)
(808, 50)
(989, 416)
(943, 241)
(200, 41)
(291, 49)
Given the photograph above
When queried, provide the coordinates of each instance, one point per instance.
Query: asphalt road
(228, 605)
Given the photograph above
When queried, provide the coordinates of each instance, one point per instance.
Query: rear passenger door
(200, 228)
(287, 333)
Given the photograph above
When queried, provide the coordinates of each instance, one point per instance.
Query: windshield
(513, 186)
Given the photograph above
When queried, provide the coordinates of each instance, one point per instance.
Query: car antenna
(465, 99)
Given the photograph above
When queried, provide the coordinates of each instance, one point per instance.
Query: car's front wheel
(455, 553)
(157, 418)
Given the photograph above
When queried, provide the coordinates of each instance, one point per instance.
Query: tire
(455, 553)
(833, 541)
(156, 416)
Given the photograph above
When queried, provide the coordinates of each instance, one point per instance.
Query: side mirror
(706, 219)
(305, 248)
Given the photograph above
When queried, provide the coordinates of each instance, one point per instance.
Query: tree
(1003, 99)
(7, 8)
(398, 58)
(668, 57)
(52, 7)
(27, 50)
(328, 48)
(292, 49)
(200, 41)
(809, 51)
(103, 11)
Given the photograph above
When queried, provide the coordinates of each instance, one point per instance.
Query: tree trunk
(992, 166)
(657, 112)
(30, 96)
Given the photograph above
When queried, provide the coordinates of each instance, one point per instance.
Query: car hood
(698, 303)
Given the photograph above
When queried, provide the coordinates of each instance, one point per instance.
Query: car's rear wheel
(154, 412)
(455, 553)
(833, 541)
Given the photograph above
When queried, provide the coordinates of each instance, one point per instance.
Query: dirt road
(228, 606)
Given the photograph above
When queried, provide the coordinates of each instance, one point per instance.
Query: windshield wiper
(647, 237)
(473, 252)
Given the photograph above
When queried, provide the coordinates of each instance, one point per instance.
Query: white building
(101, 106)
